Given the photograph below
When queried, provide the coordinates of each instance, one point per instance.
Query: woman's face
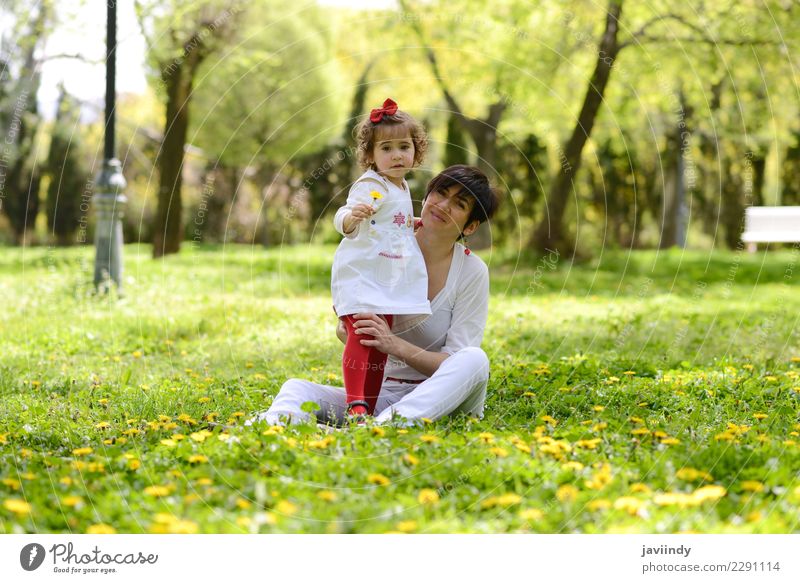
(448, 211)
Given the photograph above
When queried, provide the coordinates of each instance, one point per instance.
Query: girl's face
(448, 211)
(393, 155)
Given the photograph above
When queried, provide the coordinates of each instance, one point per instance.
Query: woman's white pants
(458, 386)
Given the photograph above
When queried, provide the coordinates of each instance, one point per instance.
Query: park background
(644, 366)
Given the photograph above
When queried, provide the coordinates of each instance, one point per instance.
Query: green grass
(709, 343)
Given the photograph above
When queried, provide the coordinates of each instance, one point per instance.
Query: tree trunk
(168, 233)
(550, 233)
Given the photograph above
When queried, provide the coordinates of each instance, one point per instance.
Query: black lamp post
(109, 200)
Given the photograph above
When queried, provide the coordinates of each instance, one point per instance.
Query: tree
(68, 170)
(179, 40)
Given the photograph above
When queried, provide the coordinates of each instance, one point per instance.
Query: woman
(436, 367)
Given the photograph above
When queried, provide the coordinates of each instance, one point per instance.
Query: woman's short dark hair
(471, 182)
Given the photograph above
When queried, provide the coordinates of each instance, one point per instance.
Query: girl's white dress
(379, 267)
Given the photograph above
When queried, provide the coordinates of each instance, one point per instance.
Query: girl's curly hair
(390, 127)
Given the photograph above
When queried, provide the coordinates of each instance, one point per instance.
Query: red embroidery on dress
(399, 219)
(390, 255)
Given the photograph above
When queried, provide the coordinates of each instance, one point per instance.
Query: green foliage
(620, 391)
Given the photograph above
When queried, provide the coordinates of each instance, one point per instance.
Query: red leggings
(362, 366)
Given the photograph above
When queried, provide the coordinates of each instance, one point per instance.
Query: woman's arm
(424, 361)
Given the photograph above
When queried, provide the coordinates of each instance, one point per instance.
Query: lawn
(640, 392)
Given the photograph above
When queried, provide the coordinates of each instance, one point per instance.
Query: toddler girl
(378, 266)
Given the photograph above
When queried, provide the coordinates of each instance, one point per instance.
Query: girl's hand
(362, 211)
(375, 326)
(341, 332)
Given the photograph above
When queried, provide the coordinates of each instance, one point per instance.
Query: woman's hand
(375, 326)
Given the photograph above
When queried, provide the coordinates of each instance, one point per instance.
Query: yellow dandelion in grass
(3, 438)
(11, 483)
(102, 425)
(169, 442)
(760, 416)
(286, 508)
(611, 380)
(200, 436)
(637, 420)
(640, 431)
(378, 431)
(406, 526)
(752, 486)
(411, 459)
(600, 479)
(243, 503)
(82, 451)
(549, 420)
(588, 443)
(134, 464)
(17, 506)
(566, 493)
(572, 466)
(327, 496)
(71, 501)
(674, 499)
(428, 438)
(693, 475)
(598, 504)
(323, 443)
(428, 497)
(629, 373)
(639, 488)
(157, 491)
(101, 528)
(598, 408)
(197, 459)
(670, 441)
(204, 400)
(748, 366)
(709, 493)
(331, 377)
(531, 514)
(498, 451)
(137, 354)
(486, 437)
(629, 504)
(528, 394)
(273, 430)
(243, 521)
(598, 427)
(378, 480)
(66, 481)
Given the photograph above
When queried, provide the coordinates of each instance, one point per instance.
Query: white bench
(771, 224)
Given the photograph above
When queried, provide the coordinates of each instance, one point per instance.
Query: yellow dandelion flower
(11, 483)
(101, 528)
(376, 195)
(71, 501)
(82, 451)
(286, 508)
(588, 443)
(486, 437)
(549, 420)
(66, 481)
(693, 475)
(598, 504)
(629, 373)
(102, 425)
(709, 493)
(197, 459)
(157, 491)
(752, 486)
(670, 441)
(406, 526)
(639, 488)
(531, 514)
(629, 504)
(134, 464)
(411, 459)
(378, 431)
(673, 499)
(169, 442)
(243, 503)
(572, 466)
(200, 436)
(378, 480)
(498, 451)
(760, 416)
(17, 506)
(428, 497)
(327, 496)
(598, 408)
(428, 438)
(566, 493)
(137, 354)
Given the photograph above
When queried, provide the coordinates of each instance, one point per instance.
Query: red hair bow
(389, 108)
